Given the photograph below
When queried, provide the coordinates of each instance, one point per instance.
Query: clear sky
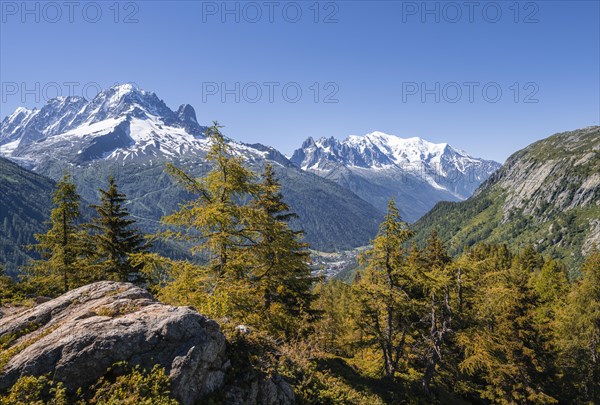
(429, 69)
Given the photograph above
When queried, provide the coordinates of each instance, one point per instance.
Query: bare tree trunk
(65, 243)
(432, 358)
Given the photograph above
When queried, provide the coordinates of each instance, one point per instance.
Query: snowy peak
(375, 150)
(126, 99)
(378, 155)
(410, 149)
(121, 122)
(186, 113)
(326, 153)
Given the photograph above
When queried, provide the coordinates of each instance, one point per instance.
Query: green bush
(30, 390)
(124, 385)
(121, 385)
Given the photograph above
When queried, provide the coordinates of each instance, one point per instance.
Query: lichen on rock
(80, 334)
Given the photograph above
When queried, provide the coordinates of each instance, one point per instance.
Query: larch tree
(504, 345)
(579, 334)
(217, 223)
(438, 281)
(336, 330)
(385, 292)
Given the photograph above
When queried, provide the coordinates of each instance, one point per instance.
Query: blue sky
(429, 69)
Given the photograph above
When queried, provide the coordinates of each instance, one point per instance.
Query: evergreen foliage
(61, 248)
(416, 325)
(113, 239)
(386, 290)
(280, 268)
(579, 334)
(255, 270)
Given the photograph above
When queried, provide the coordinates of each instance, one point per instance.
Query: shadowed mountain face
(546, 195)
(25, 203)
(132, 134)
(377, 166)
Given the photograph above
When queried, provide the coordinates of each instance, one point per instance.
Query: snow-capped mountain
(377, 166)
(131, 133)
(122, 122)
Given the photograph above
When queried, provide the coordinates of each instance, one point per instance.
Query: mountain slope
(120, 123)
(132, 134)
(25, 204)
(378, 166)
(547, 195)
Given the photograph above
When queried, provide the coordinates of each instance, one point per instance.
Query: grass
(8, 352)
(116, 310)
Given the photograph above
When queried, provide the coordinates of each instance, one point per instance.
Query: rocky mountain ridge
(377, 166)
(131, 134)
(546, 195)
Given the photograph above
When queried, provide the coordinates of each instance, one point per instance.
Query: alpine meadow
(316, 234)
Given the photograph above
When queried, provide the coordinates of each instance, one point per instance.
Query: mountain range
(131, 134)
(339, 189)
(376, 166)
(546, 195)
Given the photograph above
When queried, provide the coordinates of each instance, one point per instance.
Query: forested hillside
(25, 203)
(415, 325)
(132, 134)
(546, 195)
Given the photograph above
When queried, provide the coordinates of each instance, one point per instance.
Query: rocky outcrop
(254, 389)
(554, 175)
(546, 195)
(79, 335)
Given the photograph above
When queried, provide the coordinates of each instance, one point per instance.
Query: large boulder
(79, 335)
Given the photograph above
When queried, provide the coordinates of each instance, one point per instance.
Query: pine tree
(281, 268)
(114, 238)
(60, 247)
(386, 290)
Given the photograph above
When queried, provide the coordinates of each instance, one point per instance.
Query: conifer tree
(60, 247)
(438, 279)
(579, 334)
(336, 331)
(530, 260)
(216, 218)
(504, 344)
(218, 225)
(281, 261)
(550, 282)
(114, 238)
(386, 290)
